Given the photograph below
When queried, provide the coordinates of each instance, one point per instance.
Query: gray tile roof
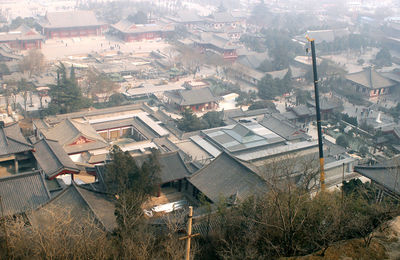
(81, 204)
(128, 27)
(242, 69)
(23, 32)
(196, 96)
(70, 19)
(325, 103)
(93, 112)
(22, 192)
(370, 78)
(302, 110)
(172, 166)
(242, 136)
(225, 177)
(279, 125)
(223, 17)
(252, 60)
(386, 175)
(327, 35)
(69, 131)
(12, 141)
(216, 40)
(185, 16)
(52, 158)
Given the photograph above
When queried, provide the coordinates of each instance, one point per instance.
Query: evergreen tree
(66, 96)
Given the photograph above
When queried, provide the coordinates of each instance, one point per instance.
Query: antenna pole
(318, 112)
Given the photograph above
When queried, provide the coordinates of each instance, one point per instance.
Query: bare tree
(97, 83)
(33, 63)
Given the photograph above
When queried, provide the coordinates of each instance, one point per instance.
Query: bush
(342, 141)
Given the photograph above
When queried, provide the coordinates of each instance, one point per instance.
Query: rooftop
(242, 136)
(225, 177)
(22, 192)
(370, 78)
(12, 141)
(81, 203)
(75, 137)
(52, 158)
(125, 26)
(70, 19)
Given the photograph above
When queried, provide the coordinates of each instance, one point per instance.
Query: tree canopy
(269, 88)
(138, 18)
(66, 96)
(383, 58)
(190, 122)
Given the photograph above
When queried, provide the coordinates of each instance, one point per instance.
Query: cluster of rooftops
(70, 144)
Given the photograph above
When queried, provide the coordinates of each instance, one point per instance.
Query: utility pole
(321, 150)
(4, 225)
(189, 234)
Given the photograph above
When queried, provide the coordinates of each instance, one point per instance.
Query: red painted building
(371, 83)
(130, 32)
(71, 24)
(198, 100)
(217, 43)
(22, 38)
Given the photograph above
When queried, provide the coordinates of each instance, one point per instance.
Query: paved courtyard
(55, 49)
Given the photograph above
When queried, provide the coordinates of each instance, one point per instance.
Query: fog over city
(199, 129)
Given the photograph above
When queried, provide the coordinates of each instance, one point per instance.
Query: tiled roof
(196, 96)
(22, 192)
(253, 60)
(81, 204)
(126, 26)
(69, 130)
(23, 32)
(279, 125)
(225, 177)
(222, 17)
(172, 166)
(215, 40)
(52, 158)
(12, 141)
(325, 103)
(93, 112)
(386, 175)
(302, 110)
(327, 35)
(70, 19)
(370, 78)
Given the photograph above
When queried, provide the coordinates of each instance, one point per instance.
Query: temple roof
(70, 19)
(370, 78)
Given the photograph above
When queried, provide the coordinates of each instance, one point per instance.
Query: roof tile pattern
(52, 158)
(22, 192)
(70, 19)
(69, 131)
(12, 141)
(370, 78)
(225, 177)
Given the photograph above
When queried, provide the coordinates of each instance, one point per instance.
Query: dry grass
(60, 237)
(351, 249)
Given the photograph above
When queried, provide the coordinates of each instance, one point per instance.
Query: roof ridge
(88, 204)
(15, 140)
(370, 77)
(53, 154)
(4, 135)
(19, 175)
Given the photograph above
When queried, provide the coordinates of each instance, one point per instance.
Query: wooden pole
(189, 234)
(189, 231)
(4, 225)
